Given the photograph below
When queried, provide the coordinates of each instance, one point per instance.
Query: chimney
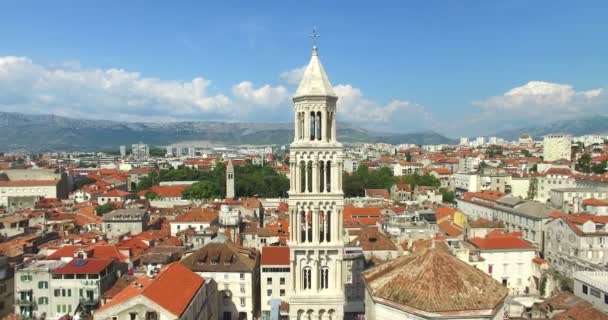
(577, 204)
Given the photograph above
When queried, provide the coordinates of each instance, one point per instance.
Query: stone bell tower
(316, 200)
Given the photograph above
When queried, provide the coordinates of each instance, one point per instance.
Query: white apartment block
(576, 243)
(557, 147)
(528, 217)
(56, 288)
(123, 221)
(568, 197)
(592, 286)
(236, 271)
(275, 279)
(508, 260)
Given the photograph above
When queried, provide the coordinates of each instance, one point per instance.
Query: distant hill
(54, 133)
(577, 127)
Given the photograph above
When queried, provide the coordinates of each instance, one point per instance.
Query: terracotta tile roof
(485, 223)
(404, 187)
(120, 284)
(501, 241)
(115, 194)
(161, 289)
(226, 256)
(558, 171)
(354, 212)
(200, 215)
(595, 202)
(275, 256)
(371, 239)
(167, 191)
(433, 280)
(450, 229)
(84, 266)
(538, 260)
(377, 193)
(581, 311)
(97, 251)
(443, 213)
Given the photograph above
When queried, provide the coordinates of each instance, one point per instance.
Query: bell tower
(316, 200)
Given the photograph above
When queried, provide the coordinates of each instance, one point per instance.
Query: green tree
(105, 208)
(203, 190)
(151, 195)
(355, 184)
(599, 168)
(447, 195)
(526, 153)
(584, 163)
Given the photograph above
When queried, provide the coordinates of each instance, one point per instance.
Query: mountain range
(597, 124)
(46, 132)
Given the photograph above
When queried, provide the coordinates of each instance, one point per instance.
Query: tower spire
(315, 36)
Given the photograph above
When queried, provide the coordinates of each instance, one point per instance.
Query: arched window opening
(312, 125)
(321, 176)
(309, 226)
(309, 175)
(302, 176)
(302, 226)
(319, 126)
(324, 278)
(322, 226)
(307, 278)
(328, 127)
(328, 226)
(328, 176)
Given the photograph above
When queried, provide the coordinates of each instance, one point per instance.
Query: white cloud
(293, 76)
(67, 89)
(543, 95)
(395, 115)
(265, 96)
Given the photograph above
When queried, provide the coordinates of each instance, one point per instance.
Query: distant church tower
(229, 180)
(316, 201)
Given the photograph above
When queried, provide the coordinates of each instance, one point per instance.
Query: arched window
(309, 226)
(328, 226)
(322, 226)
(303, 226)
(303, 176)
(312, 125)
(328, 127)
(328, 176)
(307, 278)
(309, 174)
(301, 125)
(321, 176)
(319, 126)
(324, 278)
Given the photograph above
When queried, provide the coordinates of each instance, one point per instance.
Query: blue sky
(456, 67)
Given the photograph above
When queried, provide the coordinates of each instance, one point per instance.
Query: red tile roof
(501, 241)
(161, 289)
(201, 215)
(275, 256)
(449, 229)
(115, 194)
(84, 266)
(595, 202)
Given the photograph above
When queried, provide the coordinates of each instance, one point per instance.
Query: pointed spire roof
(315, 82)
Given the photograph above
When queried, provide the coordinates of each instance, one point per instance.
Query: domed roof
(433, 280)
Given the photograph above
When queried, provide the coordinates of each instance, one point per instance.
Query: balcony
(25, 302)
(89, 302)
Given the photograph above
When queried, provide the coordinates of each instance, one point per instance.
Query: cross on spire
(314, 37)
